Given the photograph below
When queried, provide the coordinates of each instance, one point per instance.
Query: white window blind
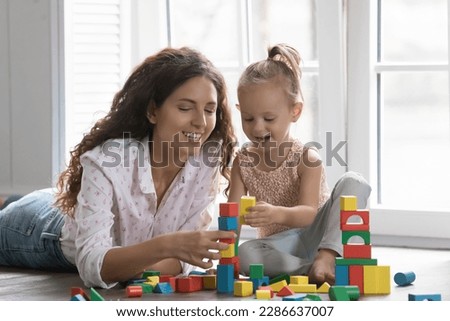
(96, 60)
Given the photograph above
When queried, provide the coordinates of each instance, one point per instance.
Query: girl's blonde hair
(282, 61)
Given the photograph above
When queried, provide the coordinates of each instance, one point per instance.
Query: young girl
(297, 219)
(136, 191)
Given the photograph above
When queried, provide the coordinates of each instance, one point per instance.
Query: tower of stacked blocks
(357, 267)
(230, 216)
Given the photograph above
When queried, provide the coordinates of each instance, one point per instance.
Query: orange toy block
(357, 251)
(134, 291)
(285, 291)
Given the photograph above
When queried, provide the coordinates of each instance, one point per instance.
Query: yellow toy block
(209, 282)
(303, 288)
(229, 252)
(152, 280)
(246, 202)
(299, 279)
(263, 294)
(324, 288)
(277, 286)
(243, 288)
(349, 203)
(377, 279)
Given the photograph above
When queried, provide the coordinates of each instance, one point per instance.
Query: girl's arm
(237, 187)
(310, 171)
(163, 253)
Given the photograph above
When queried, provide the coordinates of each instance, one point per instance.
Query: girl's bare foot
(323, 267)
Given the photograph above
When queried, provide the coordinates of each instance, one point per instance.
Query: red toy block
(229, 209)
(357, 251)
(189, 284)
(232, 260)
(75, 290)
(172, 280)
(285, 291)
(362, 214)
(228, 241)
(356, 276)
(134, 291)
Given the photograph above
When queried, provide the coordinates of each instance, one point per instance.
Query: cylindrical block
(134, 291)
(404, 278)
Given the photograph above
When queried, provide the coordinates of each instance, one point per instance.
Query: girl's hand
(199, 248)
(262, 214)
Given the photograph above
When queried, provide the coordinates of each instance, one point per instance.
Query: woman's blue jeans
(30, 230)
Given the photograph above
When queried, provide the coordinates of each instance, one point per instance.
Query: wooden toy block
(153, 280)
(234, 261)
(228, 223)
(347, 235)
(343, 261)
(229, 209)
(163, 287)
(236, 247)
(133, 291)
(148, 273)
(246, 202)
(228, 241)
(136, 281)
(277, 286)
(76, 290)
(210, 282)
(263, 294)
(256, 271)
(197, 273)
(295, 297)
(225, 278)
(280, 277)
(404, 278)
(258, 283)
(356, 276)
(197, 280)
(285, 291)
(312, 297)
(357, 251)
(424, 297)
(363, 216)
(377, 280)
(146, 288)
(349, 203)
(169, 278)
(268, 288)
(229, 252)
(341, 275)
(243, 288)
(344, 293)
(188, 284)
(324, 288)
(299, 279)
(95, 296)
(303, 288)
(78, 297)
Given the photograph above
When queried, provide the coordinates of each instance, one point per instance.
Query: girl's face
(267, 113)
(187, 117)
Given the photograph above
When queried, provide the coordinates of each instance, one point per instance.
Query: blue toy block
(404, 278)
(295, 297)
(260, 282)
(228, 223)
(342, 275)
(424, 297)
(77, 297)
(197, 273)
(163, 287)
(225, 278)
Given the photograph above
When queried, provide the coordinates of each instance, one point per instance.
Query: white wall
(30, 92)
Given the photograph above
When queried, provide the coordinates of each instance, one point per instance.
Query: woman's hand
(199, 248)
(262, 214)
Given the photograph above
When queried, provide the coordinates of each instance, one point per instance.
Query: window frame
(389, 226)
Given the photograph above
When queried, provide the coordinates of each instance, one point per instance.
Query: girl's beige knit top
(280, 186)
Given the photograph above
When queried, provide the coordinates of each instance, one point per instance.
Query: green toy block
(150, 273)
(281, 277)
(146, 288)
(256, 271)
(344, 293)
(95, 296)
(342, 261)
(312, 297)
(365, 235)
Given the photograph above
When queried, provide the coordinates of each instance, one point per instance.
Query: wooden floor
(432, 269)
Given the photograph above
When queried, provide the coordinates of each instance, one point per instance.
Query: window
(399, 115)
